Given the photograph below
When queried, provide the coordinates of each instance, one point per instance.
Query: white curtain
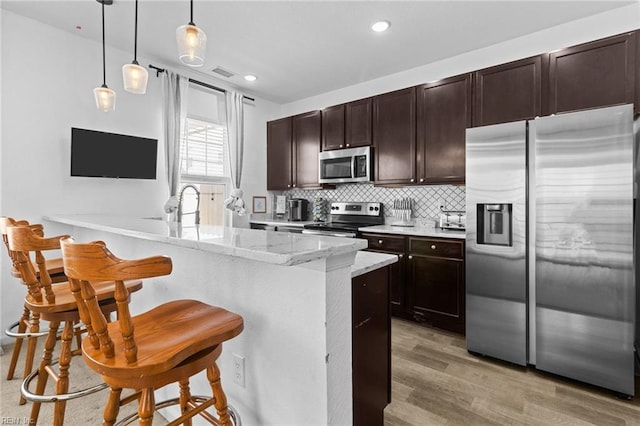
(174, 117)
(235, 145)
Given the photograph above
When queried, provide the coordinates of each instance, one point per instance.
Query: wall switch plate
(238, 369)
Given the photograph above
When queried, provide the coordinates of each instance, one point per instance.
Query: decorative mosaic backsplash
(427, 199)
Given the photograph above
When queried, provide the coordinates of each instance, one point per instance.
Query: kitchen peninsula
(293, 291)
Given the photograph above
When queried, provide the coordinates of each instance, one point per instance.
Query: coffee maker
(298, 208)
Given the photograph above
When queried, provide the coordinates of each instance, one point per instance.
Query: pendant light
(134, 76)
(192, 43)
(105, 97)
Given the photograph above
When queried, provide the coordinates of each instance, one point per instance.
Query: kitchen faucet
(197, 211)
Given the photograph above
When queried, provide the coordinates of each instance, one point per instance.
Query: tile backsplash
(427, 199)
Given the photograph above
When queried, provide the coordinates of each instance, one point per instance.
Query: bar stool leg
(78, 334)
(146, 406)
(43, 375)
(62, 384)
(34, 327)
(17, 347)
(213, 375)
(112, 408)
(185, 397)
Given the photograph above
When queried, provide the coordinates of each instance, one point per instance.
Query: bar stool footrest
(30, 396)
(9, 332)
(233, 413)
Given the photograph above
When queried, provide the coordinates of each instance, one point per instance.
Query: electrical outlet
(238, 369)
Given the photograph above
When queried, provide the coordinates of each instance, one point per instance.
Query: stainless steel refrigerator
(550, 259)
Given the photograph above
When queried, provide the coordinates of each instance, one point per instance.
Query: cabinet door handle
(433, 246)
(294, 185)
(288, 186)
(400, 256)
(380, 242)
(421, 179)
(348, 145)
(340, 146)
(412, 180)
(410, 257)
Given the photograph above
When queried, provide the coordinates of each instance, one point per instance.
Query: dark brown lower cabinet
(436, 294)
(427, 283)
(391, 244)
(371, 336)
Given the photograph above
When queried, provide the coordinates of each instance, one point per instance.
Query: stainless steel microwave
(345, 165)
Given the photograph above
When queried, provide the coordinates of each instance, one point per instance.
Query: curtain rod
(200, 83)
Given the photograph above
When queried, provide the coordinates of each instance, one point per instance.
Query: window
(202, 152)
(202, 164)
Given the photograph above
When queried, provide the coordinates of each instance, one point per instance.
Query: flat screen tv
(110, 155)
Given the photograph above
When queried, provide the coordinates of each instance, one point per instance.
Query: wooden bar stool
(29, 323)
(168, 344)
(54, 303)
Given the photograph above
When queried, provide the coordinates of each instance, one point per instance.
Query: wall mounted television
(111, 155)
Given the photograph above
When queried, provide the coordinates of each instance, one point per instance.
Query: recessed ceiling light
(381, 26)
(250, 77)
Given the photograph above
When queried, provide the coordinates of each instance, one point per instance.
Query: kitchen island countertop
(278, 248)
(367, 261)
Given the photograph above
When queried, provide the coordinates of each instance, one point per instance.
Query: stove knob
(370, 208)
(377, 208)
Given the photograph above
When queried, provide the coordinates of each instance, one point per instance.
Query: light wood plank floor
(435, 381)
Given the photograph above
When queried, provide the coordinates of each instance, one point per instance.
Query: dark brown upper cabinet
(307, 129)
(333, 127)
(591, 75)
(394, 137)
(293, 144)
(347, 125)
(358, 123)
(279, 154)
(508, 92)
(444, 113)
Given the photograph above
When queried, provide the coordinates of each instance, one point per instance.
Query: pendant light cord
(135, 38)
(191, 20)
(104, 67)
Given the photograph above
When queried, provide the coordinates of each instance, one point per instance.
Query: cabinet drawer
(385, 242)
(435, 247)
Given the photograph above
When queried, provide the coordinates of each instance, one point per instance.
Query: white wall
(591, 28)
(47, 79)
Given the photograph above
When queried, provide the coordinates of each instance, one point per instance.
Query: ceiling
(299, 49)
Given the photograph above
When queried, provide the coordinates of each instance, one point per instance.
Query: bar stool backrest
(86, 262)
(22, 240)
(4, 223)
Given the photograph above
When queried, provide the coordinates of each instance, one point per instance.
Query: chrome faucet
(197, 211)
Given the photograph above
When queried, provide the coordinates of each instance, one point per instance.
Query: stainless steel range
(346, 218)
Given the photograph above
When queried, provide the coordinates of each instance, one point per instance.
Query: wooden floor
(437, 382)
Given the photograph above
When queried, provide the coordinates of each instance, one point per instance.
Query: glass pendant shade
(105, 98)
(135, 78)
(192, 45)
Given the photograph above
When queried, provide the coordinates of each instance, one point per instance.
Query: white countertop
(418, 231)
(280, 222)
(281, 248)
(367, 261)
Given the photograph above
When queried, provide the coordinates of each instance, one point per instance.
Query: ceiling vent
(223, 72)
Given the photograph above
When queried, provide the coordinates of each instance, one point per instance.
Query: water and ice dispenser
(495, 224)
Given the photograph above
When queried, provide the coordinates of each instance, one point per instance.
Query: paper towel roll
(281, 204)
